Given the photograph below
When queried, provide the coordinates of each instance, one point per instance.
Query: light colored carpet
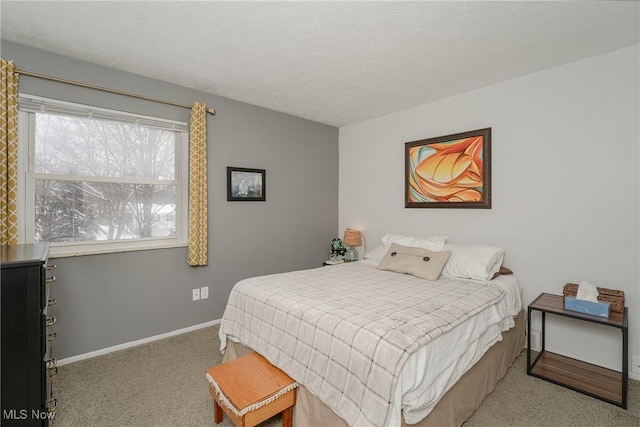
(163, 384)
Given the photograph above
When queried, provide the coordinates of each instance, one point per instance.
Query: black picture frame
(246, 184)
(466, 182)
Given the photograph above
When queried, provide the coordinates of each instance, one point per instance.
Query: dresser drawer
(26, 345)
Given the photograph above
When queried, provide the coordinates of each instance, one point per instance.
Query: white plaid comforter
(344, 332)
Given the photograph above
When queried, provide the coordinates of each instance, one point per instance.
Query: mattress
(430, 369)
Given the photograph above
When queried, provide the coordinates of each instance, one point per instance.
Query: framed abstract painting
(452, 171)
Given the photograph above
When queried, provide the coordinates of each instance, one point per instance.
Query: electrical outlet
(204, 292)
(196, 294)
(635, 368)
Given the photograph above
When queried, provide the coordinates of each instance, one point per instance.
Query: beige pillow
(418, 262)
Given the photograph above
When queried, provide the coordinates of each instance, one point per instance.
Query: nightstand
(596, 381)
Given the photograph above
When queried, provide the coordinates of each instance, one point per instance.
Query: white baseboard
(108, 350)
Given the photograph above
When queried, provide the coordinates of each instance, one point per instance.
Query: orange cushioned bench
(251, 390)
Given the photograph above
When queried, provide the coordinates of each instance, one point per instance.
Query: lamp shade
(352, 237)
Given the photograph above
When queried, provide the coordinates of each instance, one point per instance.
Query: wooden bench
(251, 390)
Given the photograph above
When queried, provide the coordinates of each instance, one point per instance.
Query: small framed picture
(245, 185)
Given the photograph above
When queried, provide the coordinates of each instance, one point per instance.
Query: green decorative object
(337, 249)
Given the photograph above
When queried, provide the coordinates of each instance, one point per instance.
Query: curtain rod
(211, 111)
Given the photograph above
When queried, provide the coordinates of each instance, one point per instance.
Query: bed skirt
(455, 407)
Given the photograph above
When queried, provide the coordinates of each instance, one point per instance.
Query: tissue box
(600, 309)
(614, 296)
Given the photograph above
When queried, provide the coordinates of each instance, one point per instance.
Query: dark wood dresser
(27, 334)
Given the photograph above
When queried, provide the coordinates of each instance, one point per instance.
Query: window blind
(32, 103)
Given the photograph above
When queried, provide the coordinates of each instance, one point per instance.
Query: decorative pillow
(434, 243)
(476, 262)
(418, 262)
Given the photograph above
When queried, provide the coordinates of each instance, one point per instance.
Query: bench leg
(287, 417)
(217, 412)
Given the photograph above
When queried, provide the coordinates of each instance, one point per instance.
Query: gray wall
(110, 299)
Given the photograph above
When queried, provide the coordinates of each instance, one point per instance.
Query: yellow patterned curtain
(8, 154)
(197, 252)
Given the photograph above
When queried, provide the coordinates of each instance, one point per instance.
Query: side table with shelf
(596, 381)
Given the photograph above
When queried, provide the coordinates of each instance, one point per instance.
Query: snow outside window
(98, 180)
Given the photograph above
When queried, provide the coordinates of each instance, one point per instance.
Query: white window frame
(27, 178)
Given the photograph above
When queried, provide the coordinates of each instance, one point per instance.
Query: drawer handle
(51, 267)
(52, 337)
(53, 371)
(51, 302)
(50, 279)
(51, 321)
(53, 405)
(52, 363)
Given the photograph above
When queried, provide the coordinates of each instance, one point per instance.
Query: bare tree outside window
(102, 180)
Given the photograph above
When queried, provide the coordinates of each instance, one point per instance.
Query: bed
(374, 346)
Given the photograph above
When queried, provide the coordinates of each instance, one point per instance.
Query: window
(98, 180)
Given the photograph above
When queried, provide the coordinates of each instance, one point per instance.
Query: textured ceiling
(333, 62)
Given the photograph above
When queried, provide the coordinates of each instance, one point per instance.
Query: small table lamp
(352, 238)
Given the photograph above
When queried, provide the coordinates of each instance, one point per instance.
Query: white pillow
(434, 243)
(377, 253)
(469, 261)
